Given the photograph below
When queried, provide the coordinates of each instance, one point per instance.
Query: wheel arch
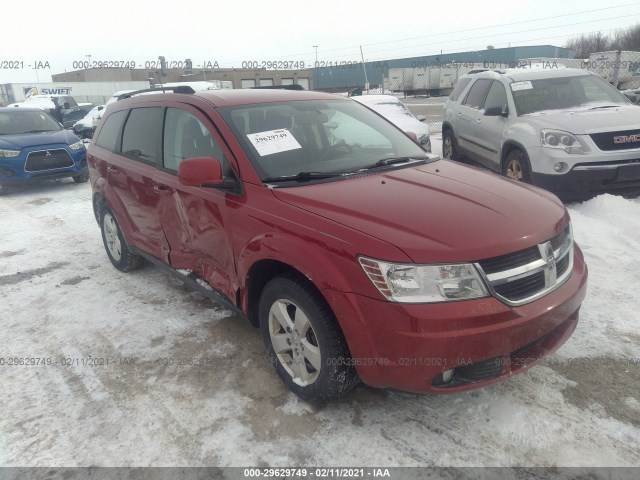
(510, 145)
(260, 273)
(103, 196)
(98, 202)
(268, 255)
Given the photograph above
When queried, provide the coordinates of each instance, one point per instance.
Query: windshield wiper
(604, 106)
(391, 161)
(301, 177)
(40, 131)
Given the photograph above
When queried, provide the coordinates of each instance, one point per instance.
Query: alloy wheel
(112, 238)
(514, 170)
(294, 342)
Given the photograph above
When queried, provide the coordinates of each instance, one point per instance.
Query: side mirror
(502, 111)
(493, 112)
(421, 118)
(200, 172)
(206, 172)
(66, 106)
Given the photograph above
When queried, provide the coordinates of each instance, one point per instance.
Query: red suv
(357, 254)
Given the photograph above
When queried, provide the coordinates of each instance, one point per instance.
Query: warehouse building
(346, 76)
(240, 78)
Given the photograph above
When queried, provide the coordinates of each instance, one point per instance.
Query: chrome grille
(511, 260)
(528, 274)
(521, 288)
(48, 160)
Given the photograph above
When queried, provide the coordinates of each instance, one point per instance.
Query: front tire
(115, 244)
(82, 178)
(304, 342)
(516, 166)
(449, 148)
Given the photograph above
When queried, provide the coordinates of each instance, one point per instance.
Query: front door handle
(478, 120)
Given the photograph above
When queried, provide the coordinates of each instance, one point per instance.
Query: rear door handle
(163, 190)
(112, 169)
(478, 120)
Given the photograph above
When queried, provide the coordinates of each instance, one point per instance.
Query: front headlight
(77, 146)
(425, 141)
(562, 140)
(9, 153)
(408, 283)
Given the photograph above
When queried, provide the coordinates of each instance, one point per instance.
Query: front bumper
(408, 347)
(12, 170)
(589, 174)
(586, 180)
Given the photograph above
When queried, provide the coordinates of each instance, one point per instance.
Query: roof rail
(280, 87)
(179, 89)
(480, 70)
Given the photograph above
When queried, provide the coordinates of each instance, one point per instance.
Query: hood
(438, 212)
(404, 121)
(581, 121)
(25, 140)
(92, 116)
(409, 124)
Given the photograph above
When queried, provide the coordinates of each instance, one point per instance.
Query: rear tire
(82, 178)
(115, 245)
(449, 148)
(516, 166)
(304, 342)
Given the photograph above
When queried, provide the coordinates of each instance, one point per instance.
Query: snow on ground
(144, 372)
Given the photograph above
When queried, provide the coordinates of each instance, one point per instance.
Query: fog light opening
(447, 375)
(560, 167)
(442, 379)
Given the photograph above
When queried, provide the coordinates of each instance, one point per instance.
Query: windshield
(19, 121)
(564, 93)
(323, 137)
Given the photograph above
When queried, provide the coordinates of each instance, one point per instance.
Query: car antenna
(163, 71)
(160, 81)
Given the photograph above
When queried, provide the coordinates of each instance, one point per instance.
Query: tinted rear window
(110, 133)
(142, 134)
(476, 94)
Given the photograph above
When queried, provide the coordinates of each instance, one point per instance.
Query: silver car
(397, 113)
(565, 130)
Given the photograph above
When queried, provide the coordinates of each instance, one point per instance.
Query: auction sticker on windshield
(526, 85)
(273, 141)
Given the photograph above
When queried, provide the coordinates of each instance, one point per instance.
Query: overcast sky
(231, 32)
